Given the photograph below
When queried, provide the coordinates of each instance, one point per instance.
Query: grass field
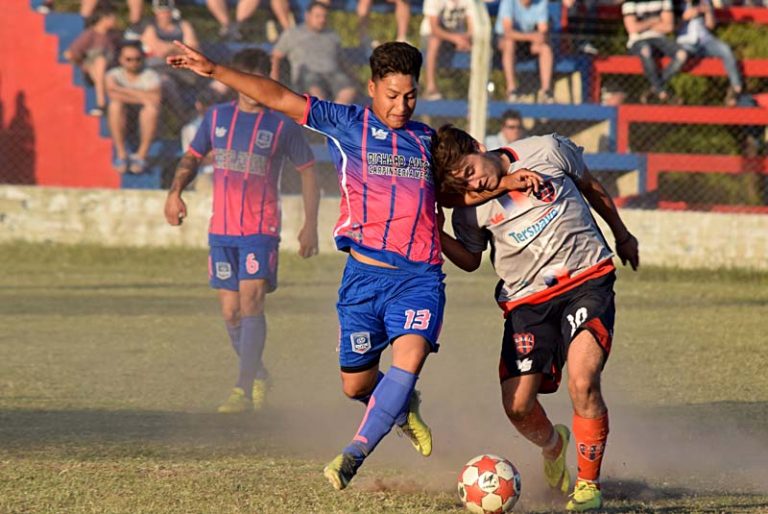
(112, 363)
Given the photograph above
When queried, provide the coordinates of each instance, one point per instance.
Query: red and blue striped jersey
(249, 150)
(386, 183)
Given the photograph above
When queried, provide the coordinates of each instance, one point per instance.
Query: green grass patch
(114, 360)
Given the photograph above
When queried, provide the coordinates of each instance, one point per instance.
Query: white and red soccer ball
(489, 484)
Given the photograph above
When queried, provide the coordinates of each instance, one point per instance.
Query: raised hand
(191, 59)
(523, 180)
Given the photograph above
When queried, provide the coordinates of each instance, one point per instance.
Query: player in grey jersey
(556, 286)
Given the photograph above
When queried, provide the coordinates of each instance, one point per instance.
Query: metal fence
(690, 150)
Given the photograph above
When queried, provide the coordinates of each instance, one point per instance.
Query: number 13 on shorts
(417, 320)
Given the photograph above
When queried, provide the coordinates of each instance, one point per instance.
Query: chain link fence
(690, 150)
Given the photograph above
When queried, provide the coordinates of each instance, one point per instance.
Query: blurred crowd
(131, 81)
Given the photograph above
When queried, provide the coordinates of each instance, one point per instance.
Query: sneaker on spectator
(432, 95)
(544, 97)
(231, 32)
(136, 164)
(45, 7)
(97, 111)
(513, 97)
(647, 96)
(665, 97)
(134, 31)
(588, 48)
(731, 97)
(120, 165)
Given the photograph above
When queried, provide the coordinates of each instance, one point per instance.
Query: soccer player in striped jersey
(392, 291)
(249, 144)
(556, 287)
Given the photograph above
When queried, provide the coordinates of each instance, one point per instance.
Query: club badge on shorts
(223, 270)
(361, 342)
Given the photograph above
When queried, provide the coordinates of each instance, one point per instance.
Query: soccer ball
(489, 484)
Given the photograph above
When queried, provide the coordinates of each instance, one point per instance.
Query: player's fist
(175, 209)
(628, 251)
(308, 241)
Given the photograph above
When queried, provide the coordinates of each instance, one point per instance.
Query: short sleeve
(629, 8)
(152, 80)
(467, 230)
(284, 42)
(201, 143)
(431, 8)
(505, 12)
(329, 118)
(296, 147)
(568, 156)
(542, 12)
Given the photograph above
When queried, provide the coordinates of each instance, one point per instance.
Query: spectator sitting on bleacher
(522, 27)
(157, 40)
(648, 22)
(511, 130)
(402, 18)
(244, 10)
(695, 36)
(447, 26)
(313, 51)
(131, 86)
(94, 52)
(135, 7)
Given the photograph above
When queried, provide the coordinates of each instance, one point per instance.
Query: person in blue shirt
(522, 28)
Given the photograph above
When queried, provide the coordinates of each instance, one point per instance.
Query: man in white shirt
(446, 27)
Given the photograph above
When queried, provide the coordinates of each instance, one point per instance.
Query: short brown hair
(450, 145)
(395, 57)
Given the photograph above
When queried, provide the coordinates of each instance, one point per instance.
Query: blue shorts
(377, 305)
(253, 258)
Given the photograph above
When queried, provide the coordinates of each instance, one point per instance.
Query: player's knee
(517, 409)
(582, 388)
(355, 391)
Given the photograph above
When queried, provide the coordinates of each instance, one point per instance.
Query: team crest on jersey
(546, 192)
(361, 342)
(223, 270)
(264, 138)
(379, 134)
(524, 342)
(220, 131)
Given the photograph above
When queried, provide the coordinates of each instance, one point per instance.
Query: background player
(249, 144)
(556, 287)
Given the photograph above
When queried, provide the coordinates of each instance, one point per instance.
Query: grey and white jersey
(543, 241)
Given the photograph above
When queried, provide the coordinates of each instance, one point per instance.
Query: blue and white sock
(387, 404)
(253, 333)
(366, 397)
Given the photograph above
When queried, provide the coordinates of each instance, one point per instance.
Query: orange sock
(590, 436)
(536, 427)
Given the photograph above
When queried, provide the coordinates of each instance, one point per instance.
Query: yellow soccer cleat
(415, 429)
(556, 471)
(259, 393)
(586, 496)
(236, 403)
(340, 471)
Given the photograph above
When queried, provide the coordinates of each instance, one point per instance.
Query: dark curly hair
(395, 57)
(252, 60)
(450, 145)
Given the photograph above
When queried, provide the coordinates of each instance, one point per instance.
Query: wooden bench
(628, 114)
(632, 65)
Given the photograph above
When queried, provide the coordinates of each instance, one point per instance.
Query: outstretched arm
(600, 200)
(266, 91)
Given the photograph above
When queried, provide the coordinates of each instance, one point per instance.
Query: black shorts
(537, 337)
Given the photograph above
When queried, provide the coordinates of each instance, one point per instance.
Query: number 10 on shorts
(417, 320)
